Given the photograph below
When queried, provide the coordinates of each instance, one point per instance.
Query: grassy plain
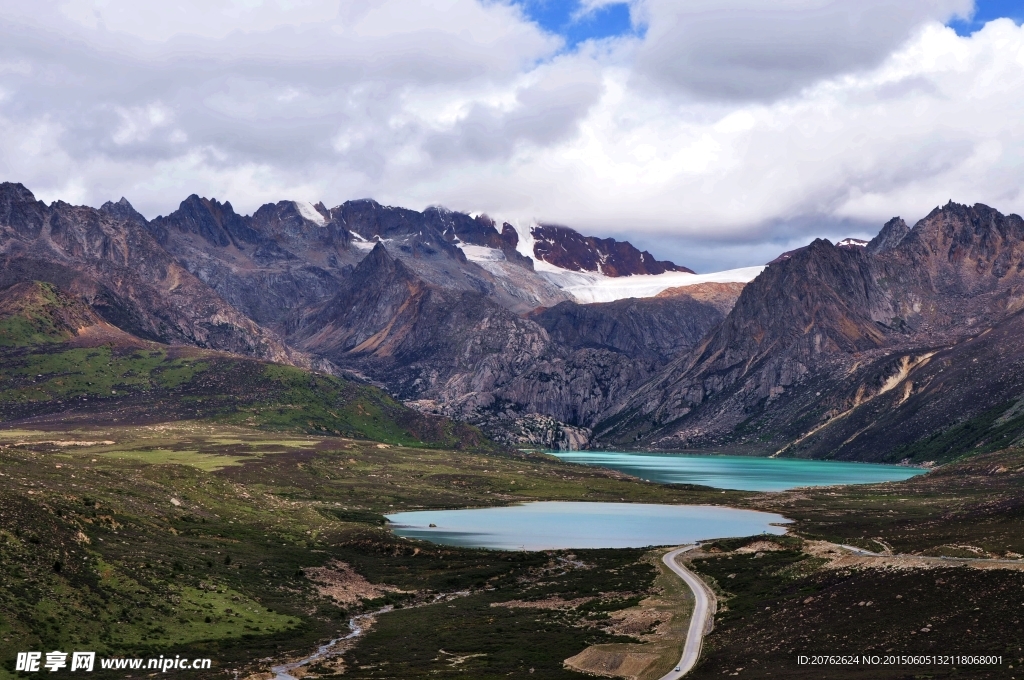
(127, 381)
(196, 538)
(977, 501)
(781, 604)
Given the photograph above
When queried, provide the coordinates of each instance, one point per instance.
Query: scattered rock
(338, 581)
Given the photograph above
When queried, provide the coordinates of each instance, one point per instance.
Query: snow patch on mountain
(515, 279)
(587, 287)
(309, 212)
(366, 246)
(481, 253)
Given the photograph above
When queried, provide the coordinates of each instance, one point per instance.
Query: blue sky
(987, 10)
(566, 18)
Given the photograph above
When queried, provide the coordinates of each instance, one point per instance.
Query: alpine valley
(208, 421)
(544, 337)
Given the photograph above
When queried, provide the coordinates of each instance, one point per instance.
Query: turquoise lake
(553, 525)
(740, 472)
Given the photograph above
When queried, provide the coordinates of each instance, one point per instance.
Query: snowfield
(310, 213)
(587, 287)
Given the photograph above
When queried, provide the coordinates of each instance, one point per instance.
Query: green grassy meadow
(193, 538)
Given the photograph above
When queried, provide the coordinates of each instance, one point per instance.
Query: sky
(716, 133)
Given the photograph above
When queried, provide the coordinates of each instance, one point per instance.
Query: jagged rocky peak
(15, 192)
(372, 312)
(849, 242)
(295, 220)
(369, 219)
(127, 277)
(481, 230)
(424, 234)
(819, 300)
(509, 234)
(975, 232)
(813, 319)
(300, 213)
(216, 222)
(892, 233)
(457, 226)
(20, 210)
(378, 264)
(568, 249)
(123, 210)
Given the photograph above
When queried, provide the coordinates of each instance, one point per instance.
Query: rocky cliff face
(653, 329)
(922, 404)
(265, 265)
(820, 336)
(568, 249)
(850, 351)
(120, 269)
(415, 336)
(386, 293)
(461, 353)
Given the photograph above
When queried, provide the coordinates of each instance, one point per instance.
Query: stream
(356, 627)
(326, 651)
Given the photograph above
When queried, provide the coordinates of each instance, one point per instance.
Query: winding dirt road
(702, 613)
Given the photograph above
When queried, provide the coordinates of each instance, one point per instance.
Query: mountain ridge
(823, 333)
(386, 294)
(447, 312)
(64, 364)
(126, 276)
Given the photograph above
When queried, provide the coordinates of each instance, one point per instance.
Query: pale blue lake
(740, 472)
(553, 525)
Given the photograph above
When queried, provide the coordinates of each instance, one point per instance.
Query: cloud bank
(717, 132)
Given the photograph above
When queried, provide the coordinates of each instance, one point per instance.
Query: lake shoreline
(739, 473)
(582, 525)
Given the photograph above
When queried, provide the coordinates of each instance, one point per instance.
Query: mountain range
(901, 348)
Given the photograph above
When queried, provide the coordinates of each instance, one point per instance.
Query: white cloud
(204, 18)
(938, 119)
(752, 49)
(139, 122)
(802, 118)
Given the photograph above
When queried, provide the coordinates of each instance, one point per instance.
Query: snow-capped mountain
(566, 248)
(543, 336)
(443, 308)
(589, 287)
(588, 269)
(856, 242)
(848, 242)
